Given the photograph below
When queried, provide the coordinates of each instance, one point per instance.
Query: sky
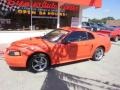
(109, 8)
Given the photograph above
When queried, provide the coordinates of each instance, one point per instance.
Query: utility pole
(31, 20)
(58, 16)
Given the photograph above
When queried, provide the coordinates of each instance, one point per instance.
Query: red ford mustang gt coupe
(59, 46)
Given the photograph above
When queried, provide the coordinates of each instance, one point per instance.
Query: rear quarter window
(90, 36)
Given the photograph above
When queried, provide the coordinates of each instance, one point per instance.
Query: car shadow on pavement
(18, 69)
(57, 80)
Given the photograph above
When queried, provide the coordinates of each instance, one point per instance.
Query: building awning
(95, 3)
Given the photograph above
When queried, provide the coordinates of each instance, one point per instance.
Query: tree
(103, 20)
(94, 20)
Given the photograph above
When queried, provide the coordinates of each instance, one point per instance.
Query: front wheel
(38, 62)
(98, 55)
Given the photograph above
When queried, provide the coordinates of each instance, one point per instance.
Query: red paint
(70, 7)
(11, 2)
(95, 3)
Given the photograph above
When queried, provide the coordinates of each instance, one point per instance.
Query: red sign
(41, 4)
(36, 4)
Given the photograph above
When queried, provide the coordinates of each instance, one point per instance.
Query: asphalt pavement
(86, 75)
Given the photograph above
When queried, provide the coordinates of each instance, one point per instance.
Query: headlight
(14, 53)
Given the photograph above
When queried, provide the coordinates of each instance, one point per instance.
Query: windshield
(55, 35)
(85, 24)
(106, 27)
(101, 25)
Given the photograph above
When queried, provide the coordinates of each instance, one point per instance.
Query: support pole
(58, 16)
(31, 21)
(80, 17)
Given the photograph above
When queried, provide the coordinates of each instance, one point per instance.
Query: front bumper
(16, 61)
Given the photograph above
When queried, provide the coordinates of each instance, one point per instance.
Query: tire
(98, 54)
(116, 38)
(38, 62)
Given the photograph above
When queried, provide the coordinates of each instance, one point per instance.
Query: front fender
(32, 49)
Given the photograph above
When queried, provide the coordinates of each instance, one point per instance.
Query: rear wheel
(38, 62)
(98, 55)
(119, 37)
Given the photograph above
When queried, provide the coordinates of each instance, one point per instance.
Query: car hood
(28, 42)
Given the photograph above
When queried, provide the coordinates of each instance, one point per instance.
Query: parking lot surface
(87, 75)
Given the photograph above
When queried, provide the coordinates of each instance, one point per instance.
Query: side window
(90, 36)
(77, 36)
(87, 24)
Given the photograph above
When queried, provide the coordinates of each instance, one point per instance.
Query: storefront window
(15, 14)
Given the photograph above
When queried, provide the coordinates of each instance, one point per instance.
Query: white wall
(7, 37)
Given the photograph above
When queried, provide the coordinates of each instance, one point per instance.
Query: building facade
(16, 14)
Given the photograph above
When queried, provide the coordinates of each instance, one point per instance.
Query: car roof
(70, 29)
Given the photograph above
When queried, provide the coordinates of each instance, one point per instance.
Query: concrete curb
(3, 48)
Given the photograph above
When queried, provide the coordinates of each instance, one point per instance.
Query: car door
(78, 46)
(85, 45)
